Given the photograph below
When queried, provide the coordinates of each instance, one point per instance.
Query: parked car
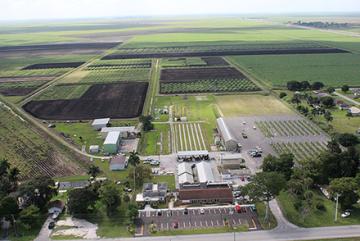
(259, 149)
(148, 161)
(186, 211)
(202, 211)
(345, 214)
(243, 134)
(159, 213)
(254, 127)
(155, 163)
(51, 225)
(126, 189)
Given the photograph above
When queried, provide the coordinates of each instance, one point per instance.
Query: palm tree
(134, 158)
(93, 171)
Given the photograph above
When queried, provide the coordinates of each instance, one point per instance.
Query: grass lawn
(248, 105)
(169, 179)
(316, 218)
(84, 130)
(201, 231)
(260, 209)
(342, 123)
(150, 139)
(72, 178)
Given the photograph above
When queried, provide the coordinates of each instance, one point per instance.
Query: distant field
(245, 105)
(331, 69)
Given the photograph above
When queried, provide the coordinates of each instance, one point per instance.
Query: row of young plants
(223, 85)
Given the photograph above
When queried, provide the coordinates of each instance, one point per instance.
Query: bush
(282, 95)
(319, 205)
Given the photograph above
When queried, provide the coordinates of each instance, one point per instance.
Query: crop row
(35, 72)
(301, 150)
(234, 85)
(219, 47)
(100, 76)
(189, 137)
(287, 128)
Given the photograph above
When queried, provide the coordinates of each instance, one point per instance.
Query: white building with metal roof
(185, 178)
(111, 143)
(184, 167)
(204, 172)
(228, 140)
(97, 124)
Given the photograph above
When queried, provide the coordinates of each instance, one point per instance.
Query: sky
(70, 9)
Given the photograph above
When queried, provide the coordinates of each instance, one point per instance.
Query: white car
(202, 211)
(154, 163)
(345, 214)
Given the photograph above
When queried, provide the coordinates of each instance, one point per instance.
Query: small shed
(97, 124)
(94, 149)
(118, 163)
(111, 143)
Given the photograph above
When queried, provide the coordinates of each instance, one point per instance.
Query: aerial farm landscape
(233, 127)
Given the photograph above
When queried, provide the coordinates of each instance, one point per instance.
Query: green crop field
(301, 150)
(63, 92)
(107, 75)
(331, 69)
(214, 85)
(29, 151)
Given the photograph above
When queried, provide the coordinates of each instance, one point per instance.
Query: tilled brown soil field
(215, 61)
(193, 74)
(54, 65)
(118, 100)
(317, 50)
(21, 91)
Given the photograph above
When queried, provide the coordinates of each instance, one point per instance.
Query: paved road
(347, 98)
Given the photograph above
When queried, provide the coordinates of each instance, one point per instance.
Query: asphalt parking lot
(211, 217)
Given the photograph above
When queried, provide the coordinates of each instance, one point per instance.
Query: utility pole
(336, 206)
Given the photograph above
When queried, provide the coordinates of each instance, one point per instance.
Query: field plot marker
(201, 135)
(193, 136)
(189, 136)
(179, 134)
(184, 135)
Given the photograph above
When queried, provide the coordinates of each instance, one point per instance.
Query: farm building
(185, 173)
(204, 172)
(152, 193)
(206, 193)
(125, 131)
(354, 111)
(118, 163)
(94, 149)
(190, 155)
(185, 178)
(100, 123)
(227, 140)
(72, 185)
(111, 143)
